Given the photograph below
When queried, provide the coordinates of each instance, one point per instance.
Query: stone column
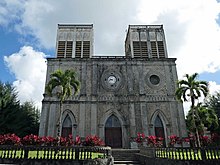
(44, 119)
(94, 119)
(53, 118)
(144, 119)
(132, 120)
(102, 131)
(82, 121)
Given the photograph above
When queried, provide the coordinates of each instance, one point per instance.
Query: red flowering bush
(64, 141)
(93, 140)
(154, 141)
(78, 140)
(174, 140)
(140, 138)
(31, 140)
(9, 139)
(205, 140)
(49, 141)
(12, 139)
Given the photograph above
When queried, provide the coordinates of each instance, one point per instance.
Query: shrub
(10, 139)
(93, 140)
(154, 141)
(140, 138)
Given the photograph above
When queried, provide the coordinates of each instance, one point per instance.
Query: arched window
(159, 128)
(113, 132)
(67, 126)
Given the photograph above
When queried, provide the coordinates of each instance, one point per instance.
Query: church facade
(120, 95)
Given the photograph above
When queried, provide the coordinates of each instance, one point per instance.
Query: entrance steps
(125, 156)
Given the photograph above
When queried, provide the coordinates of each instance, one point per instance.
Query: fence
(180, 155)
(55, 153)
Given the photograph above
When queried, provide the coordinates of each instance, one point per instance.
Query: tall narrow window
(86, 49)
(159, 129)
(161, 49)
(69, 49)
(78, 50)
(61, 49)
(154, 49)
(67, 127)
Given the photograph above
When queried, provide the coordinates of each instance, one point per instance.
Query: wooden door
(113, 132)
(113, 137)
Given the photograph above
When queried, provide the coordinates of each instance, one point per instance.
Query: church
(119, 95)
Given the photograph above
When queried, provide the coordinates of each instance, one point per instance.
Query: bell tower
(74, 41)
(145, 41)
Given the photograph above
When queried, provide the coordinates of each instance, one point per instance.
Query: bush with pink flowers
(151, 140)
(140, 138)
(93, 140)
(12, 139)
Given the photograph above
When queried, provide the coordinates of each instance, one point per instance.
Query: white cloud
(29, 68)
(213, 87)
(192, 33)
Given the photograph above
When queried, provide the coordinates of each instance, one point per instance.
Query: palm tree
(190, 89)
(63, 83)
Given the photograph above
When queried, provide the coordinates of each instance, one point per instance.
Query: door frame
(104, 118)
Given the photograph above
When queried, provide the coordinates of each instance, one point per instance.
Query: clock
(111, 80)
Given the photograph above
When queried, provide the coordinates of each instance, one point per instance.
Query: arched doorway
(67, 126)
(113, 132)
(159, 128)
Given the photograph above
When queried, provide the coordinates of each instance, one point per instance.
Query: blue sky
(28, 33)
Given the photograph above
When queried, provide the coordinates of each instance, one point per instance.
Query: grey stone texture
(134, 89)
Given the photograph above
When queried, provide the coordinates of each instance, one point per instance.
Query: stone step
(124, 154)
(127, 162)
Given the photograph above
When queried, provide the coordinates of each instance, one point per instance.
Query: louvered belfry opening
(154, 49)
(61, 49)
(86, 49)
(69, 49)
(65, 49)
(140, 49)
(145, 41)
(78, 50)
(161, 49)
(74, 41)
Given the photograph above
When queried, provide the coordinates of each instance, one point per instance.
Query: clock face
(112, 79)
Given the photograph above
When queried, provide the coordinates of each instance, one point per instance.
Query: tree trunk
(197, 143)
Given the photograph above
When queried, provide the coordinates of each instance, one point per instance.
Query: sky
(28, 35)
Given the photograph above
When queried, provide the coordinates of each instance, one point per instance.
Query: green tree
(191, 89)
(9, 108)
(29, 114)
(213, 102)
(62, 83)
(206, 118)
(14, 117)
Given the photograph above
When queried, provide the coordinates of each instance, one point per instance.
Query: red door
(113, 132)
(113, 137)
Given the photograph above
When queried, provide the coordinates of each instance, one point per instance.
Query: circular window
(154, 79)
